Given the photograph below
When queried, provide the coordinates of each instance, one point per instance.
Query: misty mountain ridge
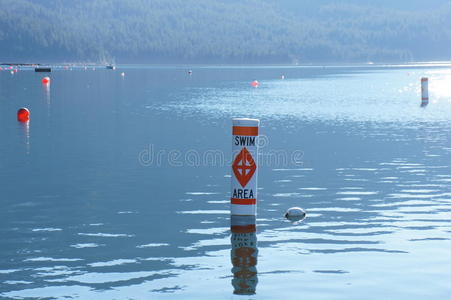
(206, 31)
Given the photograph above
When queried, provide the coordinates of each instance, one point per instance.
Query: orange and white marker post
(424, 89)
(244, 167)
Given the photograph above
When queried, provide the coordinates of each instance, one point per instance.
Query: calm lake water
(119, 186)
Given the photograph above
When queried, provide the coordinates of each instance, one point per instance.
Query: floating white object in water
(282, 77)
(295, 214)
(122, 74)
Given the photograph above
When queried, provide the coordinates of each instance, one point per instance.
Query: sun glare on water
(440, 85)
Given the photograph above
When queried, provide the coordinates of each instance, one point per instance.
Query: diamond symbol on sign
(244, 167)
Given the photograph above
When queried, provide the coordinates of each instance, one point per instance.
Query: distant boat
(111, 67)
(41, 69)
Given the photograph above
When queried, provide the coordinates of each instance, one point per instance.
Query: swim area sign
(244, 167)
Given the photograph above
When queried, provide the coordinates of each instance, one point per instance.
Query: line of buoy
(23, 114)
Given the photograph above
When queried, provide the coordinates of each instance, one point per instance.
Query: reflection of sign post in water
(244, 167)
(244, 254)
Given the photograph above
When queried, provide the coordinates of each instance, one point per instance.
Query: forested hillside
(224, 31)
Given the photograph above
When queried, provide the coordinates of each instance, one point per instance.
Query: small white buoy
(295, 214)
(122, 74)
(282, 77)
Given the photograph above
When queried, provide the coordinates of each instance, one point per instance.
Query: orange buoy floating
(23, 115)
(255, 83)
(45, 80)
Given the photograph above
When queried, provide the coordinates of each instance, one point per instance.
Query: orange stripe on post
(246, 131)
(244, 229)
(244, 201)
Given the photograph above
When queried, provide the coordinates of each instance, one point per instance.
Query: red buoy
(23, 115)
(255, 83)
(45, 80)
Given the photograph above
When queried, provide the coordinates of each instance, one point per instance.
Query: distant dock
(20, 64)
(43, 69)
